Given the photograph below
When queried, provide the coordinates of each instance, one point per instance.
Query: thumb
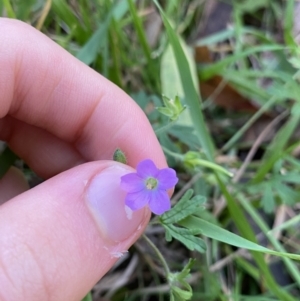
(59, 238)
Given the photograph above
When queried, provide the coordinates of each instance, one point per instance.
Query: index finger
(44, 86)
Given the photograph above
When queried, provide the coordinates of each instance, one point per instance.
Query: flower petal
(132, 183)
(159, 202)
(137, 200)
(146, 169)
(167, 178)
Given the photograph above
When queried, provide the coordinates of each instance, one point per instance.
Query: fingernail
(106, 202)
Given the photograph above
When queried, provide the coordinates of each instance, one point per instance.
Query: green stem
(159, 255)
(164, 128)
(175, 155)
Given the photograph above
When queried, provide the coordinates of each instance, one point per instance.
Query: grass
(260, 62)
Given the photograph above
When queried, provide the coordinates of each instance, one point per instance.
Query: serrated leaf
(267, 200)
(177, 102)
(288, 195)
(172, 108)
(186, 270)
(165, 111)
(168, 235)
(180, 289)
(181, 294)
(167, 102)
(186, 237)
(183, 208)
(186, 135)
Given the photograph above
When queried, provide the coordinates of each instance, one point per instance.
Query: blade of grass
(210, 230)
(89, 51)
(151, 66)
(9, 10)
(44, 14)
(288, 24)
(245, 229)
(288, 224)
(64, 12)
(114, 41)
(85, 7)
(238, 26)
(209, 71)
(139, 30)
(191, 97)
(291, 267)
(248, 267)
(229, 33)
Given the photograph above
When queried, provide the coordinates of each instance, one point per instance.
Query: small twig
(121, 281)
(228, 259)
(249, 157)
(257, 144)
(280, 218)
(164, 128)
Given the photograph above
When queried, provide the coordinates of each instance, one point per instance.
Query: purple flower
(148, 186)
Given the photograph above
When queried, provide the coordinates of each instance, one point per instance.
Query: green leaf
(119, 156)
(185, 207)
(64, 12)
(168, 235)
(137, 22)
(181, 294)
(9, 10)
(268, 201)
(252, 6)
(178, 280)
(220, 66)
(186, 135)
(169, 73)
(186, 270)
(89, 51)
(165, 111)
(289, 196)
(173, 108)
(220, 234)
(186, 237)
(192, 98)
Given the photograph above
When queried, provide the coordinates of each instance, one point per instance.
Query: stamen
(151, 183)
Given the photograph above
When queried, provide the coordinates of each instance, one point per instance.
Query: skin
(57, 114)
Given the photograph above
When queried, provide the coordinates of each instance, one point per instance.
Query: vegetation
(234, 145)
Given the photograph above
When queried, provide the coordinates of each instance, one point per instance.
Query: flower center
(151, 183)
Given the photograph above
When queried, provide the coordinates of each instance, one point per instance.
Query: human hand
(59, 238)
